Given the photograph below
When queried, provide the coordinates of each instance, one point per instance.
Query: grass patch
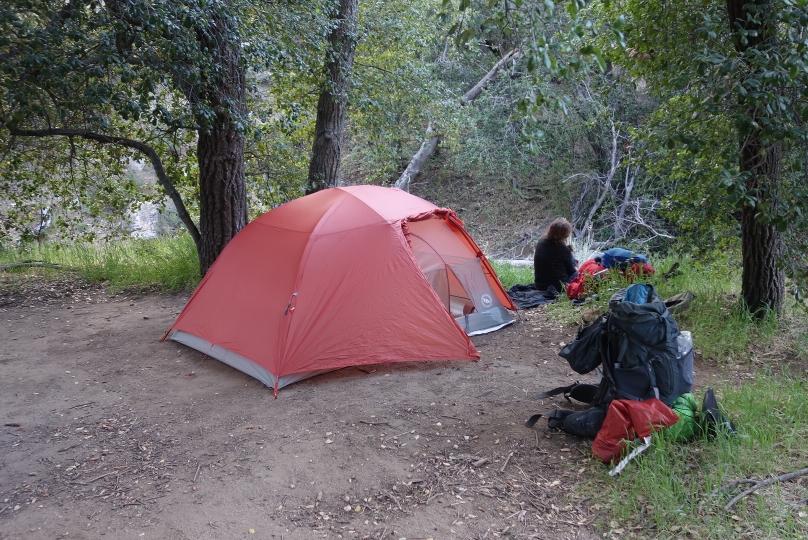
(510, 275)
(723, 330)
(163, 264)
(673, 490)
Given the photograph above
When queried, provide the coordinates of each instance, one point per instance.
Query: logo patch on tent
(486, 301)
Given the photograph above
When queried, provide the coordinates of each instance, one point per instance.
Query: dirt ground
(109, 432)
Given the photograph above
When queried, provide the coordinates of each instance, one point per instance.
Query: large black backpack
(637, 346)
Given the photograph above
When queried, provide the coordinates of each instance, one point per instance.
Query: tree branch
(431, 143)
(475, 92)
(141, 147)
(757, 484)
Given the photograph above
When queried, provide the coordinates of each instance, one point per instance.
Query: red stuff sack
(627, 420)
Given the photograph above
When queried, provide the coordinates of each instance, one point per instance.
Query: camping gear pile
(346, 276)
(645, 365)
(626, 262)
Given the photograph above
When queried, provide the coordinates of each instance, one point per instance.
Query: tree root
(757, 484)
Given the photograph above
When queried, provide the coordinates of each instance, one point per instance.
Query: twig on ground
(480, 462)
(452, 417)
(69, 447)
(375, 423)
(757, 484)
(29, 264)
(507, 459)
(94, 479)
(484, 393)
(432, 497)
(198, 468)
(83, 405)
(393, 497)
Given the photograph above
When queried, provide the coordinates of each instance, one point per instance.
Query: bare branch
(615, 207)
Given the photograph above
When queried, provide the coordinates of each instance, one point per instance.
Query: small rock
(251, 531)
(347, 508)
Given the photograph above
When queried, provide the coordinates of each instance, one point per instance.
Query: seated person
(553, 263)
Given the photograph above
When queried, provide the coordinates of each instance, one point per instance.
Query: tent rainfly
(344, 277)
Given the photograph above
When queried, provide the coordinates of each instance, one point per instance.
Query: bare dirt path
(108, 432)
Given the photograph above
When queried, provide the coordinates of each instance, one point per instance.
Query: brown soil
(107, 431)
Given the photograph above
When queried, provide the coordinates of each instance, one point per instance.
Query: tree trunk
(763, 282)
(329, 129)
(222, 190)
(220, 151)
(763, 246)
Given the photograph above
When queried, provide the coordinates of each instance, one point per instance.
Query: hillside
(504, 224)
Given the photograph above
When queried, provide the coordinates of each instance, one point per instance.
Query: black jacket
(553, 264)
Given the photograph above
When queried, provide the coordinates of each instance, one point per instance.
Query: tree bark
(220, 149)
(329, 128)
(762, 245)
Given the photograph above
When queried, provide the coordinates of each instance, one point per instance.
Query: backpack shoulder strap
(584, 393)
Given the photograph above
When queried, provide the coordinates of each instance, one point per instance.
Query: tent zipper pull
(285, 311)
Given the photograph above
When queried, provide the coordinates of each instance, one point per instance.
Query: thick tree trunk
(763, 246)
(763, 282)
(220, 152)
(329, 129)
(222, 190)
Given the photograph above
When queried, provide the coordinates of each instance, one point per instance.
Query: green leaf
(600, 60)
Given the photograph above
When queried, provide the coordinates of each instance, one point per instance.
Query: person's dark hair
(558, 231)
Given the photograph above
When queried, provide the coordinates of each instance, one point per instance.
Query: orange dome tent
(343, 277)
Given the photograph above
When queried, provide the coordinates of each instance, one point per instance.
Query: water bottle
(685, 342)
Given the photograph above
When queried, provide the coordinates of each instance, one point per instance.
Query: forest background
(645, 125)
(678, 131)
